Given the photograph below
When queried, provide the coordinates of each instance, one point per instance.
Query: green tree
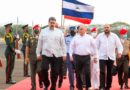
(15, 29)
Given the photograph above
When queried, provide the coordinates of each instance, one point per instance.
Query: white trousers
(95, 74)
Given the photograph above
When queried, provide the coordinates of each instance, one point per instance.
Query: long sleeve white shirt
(51, 42)
(107, 46)
(83, 45)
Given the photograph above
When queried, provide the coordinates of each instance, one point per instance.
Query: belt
(81, 55)
(124, 55)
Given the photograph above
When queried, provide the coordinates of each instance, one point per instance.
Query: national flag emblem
(78, 11)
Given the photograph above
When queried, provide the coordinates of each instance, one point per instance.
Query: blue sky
(38, 11)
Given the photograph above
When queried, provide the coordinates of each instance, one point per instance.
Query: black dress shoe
(33, 88)
(71, 88)
(41, 85)
(121, 87)
(26, 75)
(45, 88)
(11, 82)
(64, 77)
(59, 85)
(84, 86)
(127, 87)
(107, 88)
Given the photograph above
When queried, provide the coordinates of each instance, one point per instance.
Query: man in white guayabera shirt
(51, 44)
(82, 46)
(107, 42)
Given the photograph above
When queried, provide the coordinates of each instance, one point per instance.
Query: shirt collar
(82, 36)
(105, 34)
(52, 30)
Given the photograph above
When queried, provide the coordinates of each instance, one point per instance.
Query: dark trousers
(82, 62)
(105, 77)
(25, 68)
(64, 68)
(55, 64)
(71, 68)
(122, 65)
(10, 60)
(83, 77)
(61, 71)
(35, 67)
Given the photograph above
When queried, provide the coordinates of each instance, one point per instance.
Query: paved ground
(18, 69)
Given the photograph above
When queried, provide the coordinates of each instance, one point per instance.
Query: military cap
(123, 31)
(94, 29)
(25, 26)
(9, 24)
(72, 28)
(36, 27)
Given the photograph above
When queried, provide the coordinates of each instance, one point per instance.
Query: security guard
(123, 62)
(9, 53)
(24, 41)
(35, 65)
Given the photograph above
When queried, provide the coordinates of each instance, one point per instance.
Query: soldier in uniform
(123, 62)
(9, 54)
(24, 40)
(70, 64)
(35, 65)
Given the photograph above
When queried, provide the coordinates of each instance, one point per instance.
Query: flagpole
(17, 25)
(32, 26)
(32, 23)
(61, 14)
(63, 21)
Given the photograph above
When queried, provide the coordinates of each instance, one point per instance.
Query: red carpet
(25, 85)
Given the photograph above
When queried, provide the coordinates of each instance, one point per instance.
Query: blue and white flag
(77, 9)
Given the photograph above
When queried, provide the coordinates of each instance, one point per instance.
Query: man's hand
(95, 60)
(71, 58)
(119, 55)
(39, 58)
(17, 51)
(64, 58)
(26, 60)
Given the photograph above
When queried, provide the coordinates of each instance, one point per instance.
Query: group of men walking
(91, 56)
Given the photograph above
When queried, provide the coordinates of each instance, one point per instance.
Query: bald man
(82, 47)
(107, 42)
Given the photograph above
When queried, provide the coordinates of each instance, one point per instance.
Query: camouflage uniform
(123, 64)
(24, 41)
(35, 65)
